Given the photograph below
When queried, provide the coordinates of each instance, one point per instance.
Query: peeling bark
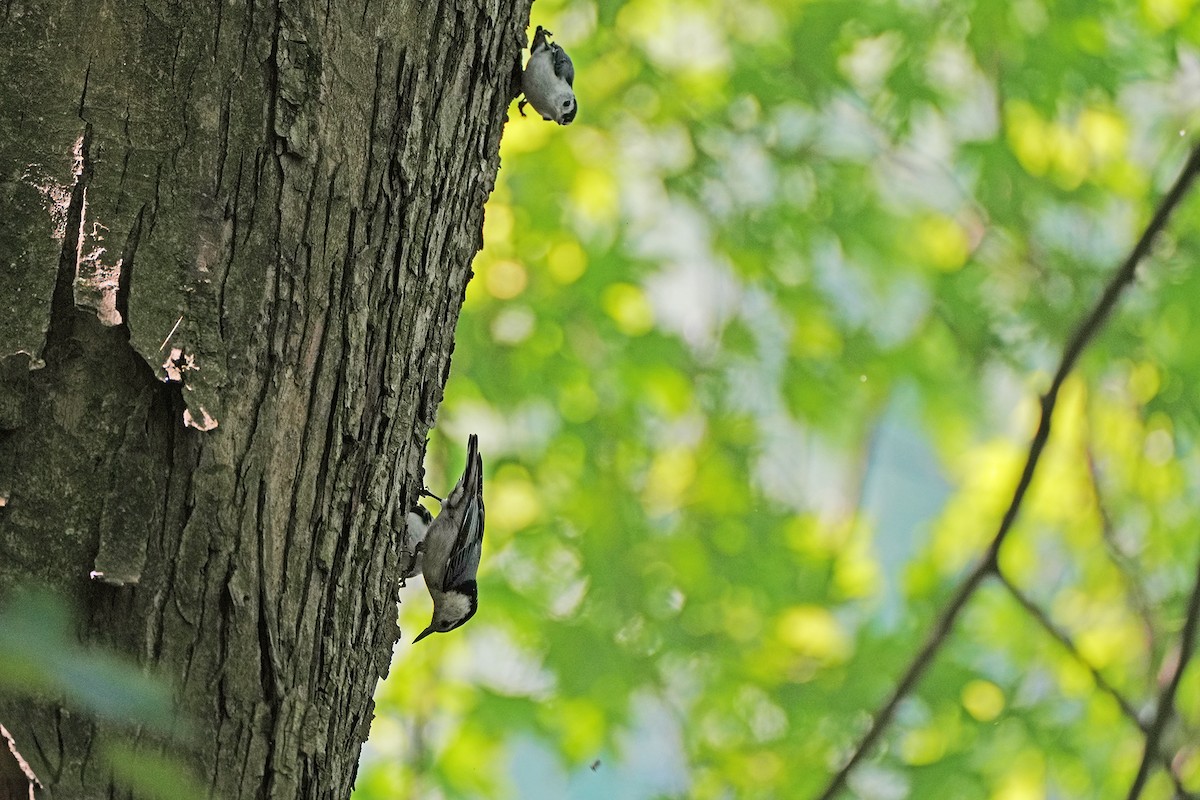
(236, 243)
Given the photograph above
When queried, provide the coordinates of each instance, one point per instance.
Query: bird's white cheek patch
(457, 606)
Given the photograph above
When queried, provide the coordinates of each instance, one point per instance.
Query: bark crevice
(300, 189)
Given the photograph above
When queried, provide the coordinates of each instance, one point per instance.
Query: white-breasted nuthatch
(450, 548)
(548, 81)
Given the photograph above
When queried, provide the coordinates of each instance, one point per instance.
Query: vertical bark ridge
(302, 187)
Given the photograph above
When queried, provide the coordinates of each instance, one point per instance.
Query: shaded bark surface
(235, 247)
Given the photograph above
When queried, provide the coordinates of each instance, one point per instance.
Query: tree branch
(1087, 330)
(941, 630)
(1120, 561)
(1166, 700)
(1061, 636)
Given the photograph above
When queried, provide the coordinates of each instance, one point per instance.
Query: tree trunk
(234, 249)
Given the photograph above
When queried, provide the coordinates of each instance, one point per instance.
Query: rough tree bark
(234, 246)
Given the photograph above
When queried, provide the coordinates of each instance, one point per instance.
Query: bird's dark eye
(566, 103)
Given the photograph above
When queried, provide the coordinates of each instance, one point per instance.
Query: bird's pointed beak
(423, 634)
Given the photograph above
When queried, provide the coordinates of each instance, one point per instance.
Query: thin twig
(1122, 562)
(1064, 639)
(1061, 636)
(1166, 700)
(1128, 271)
(1087, 330)
(941, 629)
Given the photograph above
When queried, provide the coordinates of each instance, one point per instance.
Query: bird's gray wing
(464, 558)
(563, 67)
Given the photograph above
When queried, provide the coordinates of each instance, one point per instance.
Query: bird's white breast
(544, 90)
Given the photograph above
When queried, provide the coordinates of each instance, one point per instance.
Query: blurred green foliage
(40, 655)
(754, 350)
(42, 660)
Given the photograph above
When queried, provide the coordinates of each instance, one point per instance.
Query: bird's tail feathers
(472, 479)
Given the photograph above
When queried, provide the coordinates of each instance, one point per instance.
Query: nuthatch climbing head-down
(548, 81)
(451, 546)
